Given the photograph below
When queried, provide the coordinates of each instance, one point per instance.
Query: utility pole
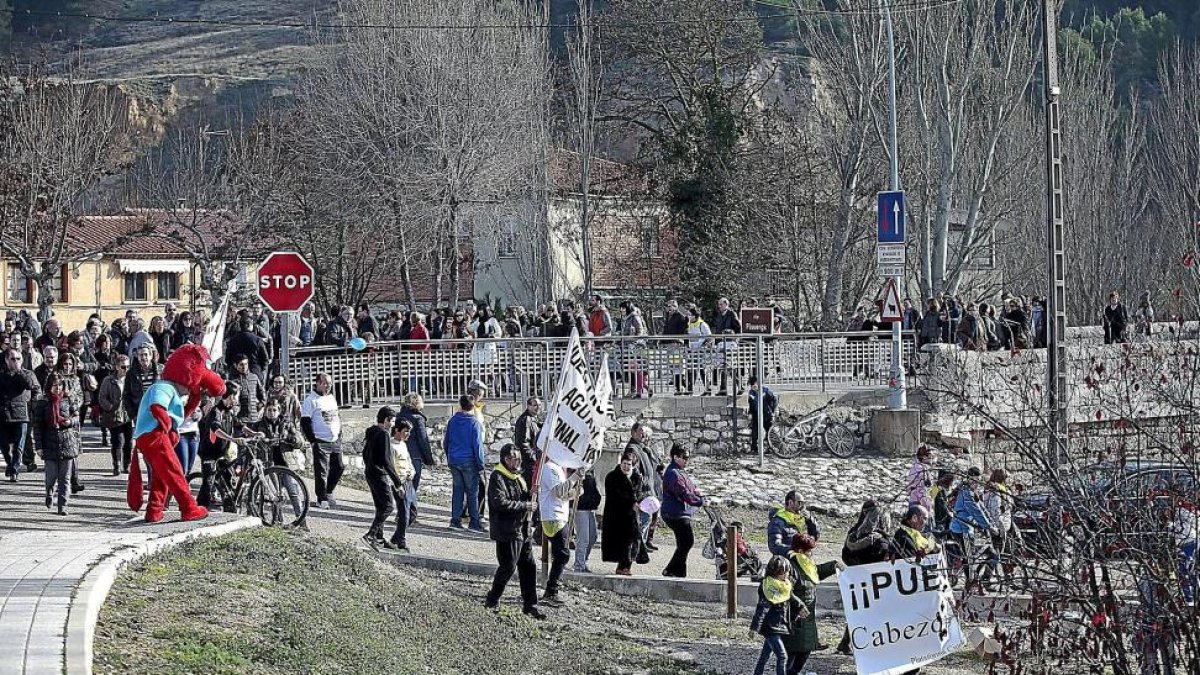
(1056, 313)
(897, 387)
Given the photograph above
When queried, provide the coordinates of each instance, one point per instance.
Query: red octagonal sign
(285, 281)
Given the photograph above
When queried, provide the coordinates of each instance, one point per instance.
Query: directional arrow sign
(891, 303)
(891, 218)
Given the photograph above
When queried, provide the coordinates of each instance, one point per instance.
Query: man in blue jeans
(464, 455)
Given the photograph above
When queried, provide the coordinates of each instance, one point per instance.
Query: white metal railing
(518, 368)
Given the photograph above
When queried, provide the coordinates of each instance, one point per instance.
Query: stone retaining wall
(709, 424)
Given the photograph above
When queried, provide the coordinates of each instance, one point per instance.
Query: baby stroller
(748, 564)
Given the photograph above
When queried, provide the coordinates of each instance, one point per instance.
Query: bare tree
(1174, 173)
(968, 67)
(586, 72)
(60, 141)
(423, 125)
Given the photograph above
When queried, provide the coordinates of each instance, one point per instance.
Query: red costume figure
(164, 406)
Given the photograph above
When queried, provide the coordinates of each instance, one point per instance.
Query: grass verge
(269, 601)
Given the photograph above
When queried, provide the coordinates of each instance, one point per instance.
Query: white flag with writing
(574, 418)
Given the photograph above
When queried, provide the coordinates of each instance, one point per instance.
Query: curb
(829, 602)
(92, 591)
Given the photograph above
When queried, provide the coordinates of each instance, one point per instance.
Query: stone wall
(710, 424)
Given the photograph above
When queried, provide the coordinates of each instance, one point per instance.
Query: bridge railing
(518, 368)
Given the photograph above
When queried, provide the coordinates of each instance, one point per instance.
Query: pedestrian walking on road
(868, 541)
(789, 520)
(114, 417)
(777, 610)
(622, 539)
(555, 491)
(56, 430)
(18, 387)
(322, 426)
(463, 442)
(405, 494)
(650, 467)
(586, 532)
(379, 468)
(680, 499)
(1115, 319)
(420, 453)
(806, 575)
(511, 503)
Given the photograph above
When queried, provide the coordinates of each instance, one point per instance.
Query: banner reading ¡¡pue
(574, 419)
(900, 615)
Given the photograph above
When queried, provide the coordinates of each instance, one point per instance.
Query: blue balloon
(358, 344)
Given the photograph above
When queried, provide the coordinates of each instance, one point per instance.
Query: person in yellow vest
(909, 541)
(804, 640)
(789, 520)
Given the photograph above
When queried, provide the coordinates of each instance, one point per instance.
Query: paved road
(44, 556)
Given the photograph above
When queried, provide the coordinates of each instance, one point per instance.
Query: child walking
(777, 609)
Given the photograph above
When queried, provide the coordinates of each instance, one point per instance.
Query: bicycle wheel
(782, 443)
(280, 497)
(839, 439)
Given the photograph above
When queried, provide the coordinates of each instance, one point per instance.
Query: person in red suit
(186, 377)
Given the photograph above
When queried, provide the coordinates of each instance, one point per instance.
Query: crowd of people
(1012, 323)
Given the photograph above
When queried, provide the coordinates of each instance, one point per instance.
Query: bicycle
(809, 433)
(250, 485)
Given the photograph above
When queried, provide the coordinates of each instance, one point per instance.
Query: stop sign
(285, 282)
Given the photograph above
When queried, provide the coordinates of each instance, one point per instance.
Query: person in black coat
(1116, 319)
(675, 324)
(525, 434)
(419, 449)
(379, 468)
(247, 343)
(622, 538)
(17, 388)
(511, 503)
(770, 403)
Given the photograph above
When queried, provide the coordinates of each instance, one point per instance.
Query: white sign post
(900, 615)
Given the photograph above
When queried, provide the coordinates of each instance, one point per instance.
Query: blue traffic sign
(891, 217)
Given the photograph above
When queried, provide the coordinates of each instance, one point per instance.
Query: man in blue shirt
(464, 455)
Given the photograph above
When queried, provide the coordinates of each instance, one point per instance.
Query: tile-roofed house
(137, 258)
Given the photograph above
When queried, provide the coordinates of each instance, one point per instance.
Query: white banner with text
(900, 615)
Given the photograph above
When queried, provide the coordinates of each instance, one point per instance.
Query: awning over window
(135, 266)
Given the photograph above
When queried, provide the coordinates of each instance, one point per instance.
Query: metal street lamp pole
(897, 389)
(1056, 303)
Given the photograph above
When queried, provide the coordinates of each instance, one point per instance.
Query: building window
(506, 245)
(650, 238)
(168, 286)
(135, 286)
(60, 286)
(18, 287)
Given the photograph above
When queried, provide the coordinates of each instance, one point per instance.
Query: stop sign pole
(285, 284)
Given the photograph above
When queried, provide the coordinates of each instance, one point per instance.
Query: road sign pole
(285, 343)
(897, 393)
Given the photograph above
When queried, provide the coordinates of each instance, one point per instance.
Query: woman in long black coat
(621, 539)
